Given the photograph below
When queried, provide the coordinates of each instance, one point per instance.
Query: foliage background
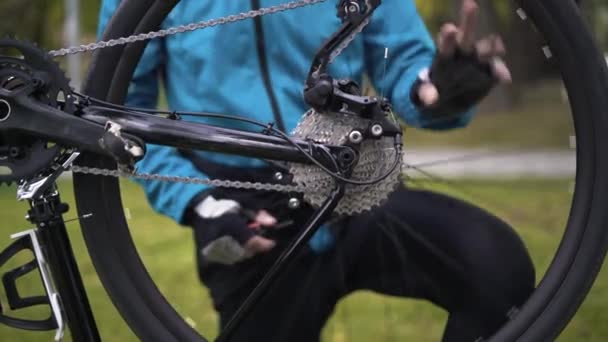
(44, 25)
(167, 250)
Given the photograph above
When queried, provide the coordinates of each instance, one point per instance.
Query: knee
(505, 265)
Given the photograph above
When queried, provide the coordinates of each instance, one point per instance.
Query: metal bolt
(355, 137)
(522, 14)
(353, 8)
(377, 130)
(346, 157)
(278, 176)
(14, 152)
(293, 203)
(547, 52)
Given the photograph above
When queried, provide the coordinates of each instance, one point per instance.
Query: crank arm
(39, 120)
(32, 118)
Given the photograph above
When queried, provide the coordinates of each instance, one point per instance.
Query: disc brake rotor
(23, 65)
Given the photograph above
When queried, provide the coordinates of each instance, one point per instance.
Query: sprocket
(376, 158)
(22, 65)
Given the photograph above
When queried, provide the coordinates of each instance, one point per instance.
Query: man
(418, 244)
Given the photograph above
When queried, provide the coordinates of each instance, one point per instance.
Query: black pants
(419, 244)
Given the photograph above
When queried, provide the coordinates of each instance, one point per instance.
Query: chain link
(347, 41)
(188, 28)
(190, 180)
(184, 28)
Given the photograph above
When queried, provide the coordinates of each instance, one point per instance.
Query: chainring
(22, 65)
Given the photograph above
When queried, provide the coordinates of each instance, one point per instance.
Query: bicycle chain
(190, 180)
(184, 28)
(188, 28)
(347, 41)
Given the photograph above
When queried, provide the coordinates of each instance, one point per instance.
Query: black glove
(463, 71)
(226, 230)
(462, 81)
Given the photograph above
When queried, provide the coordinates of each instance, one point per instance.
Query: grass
(538, 117)
(537, 209)
(542, 119)
(535, 126)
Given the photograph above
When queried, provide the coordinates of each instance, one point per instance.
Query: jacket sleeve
(397, 26)
(168, 198)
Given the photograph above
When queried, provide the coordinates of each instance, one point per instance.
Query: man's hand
(227, 233)
(464, 70)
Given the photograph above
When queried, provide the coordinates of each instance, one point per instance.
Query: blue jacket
(220, 70)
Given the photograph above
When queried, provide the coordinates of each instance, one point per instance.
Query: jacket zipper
(259, 33)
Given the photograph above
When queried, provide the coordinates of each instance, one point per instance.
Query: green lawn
(535, 126)
(536, 208)
(541, 119)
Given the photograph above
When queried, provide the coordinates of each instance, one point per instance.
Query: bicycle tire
(552, 305)
(114, 255)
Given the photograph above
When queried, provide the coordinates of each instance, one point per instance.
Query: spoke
(446, 267)
(468, 157)
(552, 164)
(389, 319)
(472, 195)
(345, 323)
(559, 163)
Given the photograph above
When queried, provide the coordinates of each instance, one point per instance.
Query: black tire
(542, 318)
(107, 235)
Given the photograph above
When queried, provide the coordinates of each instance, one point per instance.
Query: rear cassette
(376, 158)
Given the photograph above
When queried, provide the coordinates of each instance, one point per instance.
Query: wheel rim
(534, 322)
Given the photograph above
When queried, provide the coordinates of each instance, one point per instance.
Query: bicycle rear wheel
(107, 236)
(545, 314)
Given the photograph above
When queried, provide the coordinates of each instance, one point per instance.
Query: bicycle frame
(109, 133)
(199, 136)
(87, 130)
(83, 132)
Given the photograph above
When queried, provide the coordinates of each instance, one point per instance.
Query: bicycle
(48, 129)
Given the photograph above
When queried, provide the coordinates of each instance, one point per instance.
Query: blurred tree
(436, 12)
(597, 13)
(25, 18)
(524, 45)
(89, 10)
(41, 21)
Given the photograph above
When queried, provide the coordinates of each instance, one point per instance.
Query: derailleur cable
(357, 19)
